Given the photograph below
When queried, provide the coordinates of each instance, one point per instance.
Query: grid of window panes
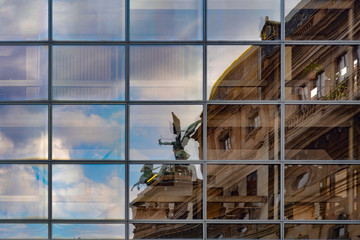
(179, 119)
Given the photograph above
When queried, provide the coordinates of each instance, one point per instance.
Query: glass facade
(179, 119)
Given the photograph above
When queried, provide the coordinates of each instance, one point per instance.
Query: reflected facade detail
(166, 191)
(322, 192)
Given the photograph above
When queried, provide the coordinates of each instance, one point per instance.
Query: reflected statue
(180, 143)
(147, 177)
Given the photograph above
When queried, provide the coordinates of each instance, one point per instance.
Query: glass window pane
(243, 20)
(166, 72)
(243, 231)
(166, 20)
(322, 72)
(322, 231)
(170, 132)
(243, 72)
(165, 191)
(322, 132)
(88, 231)
(246, 192)
(89, 20)
(321, 20)
(23, 73)
(23, 231)
(23, 132)
(23, 192)
(88, 191)
(88, 132)
(247, 132)
(23, 20)
(163, 230)
(89, 72)
(318, 192)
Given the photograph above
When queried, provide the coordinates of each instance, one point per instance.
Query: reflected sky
(23, 191)
(89, 19)
(166, 72)
(240, 19)
(219, 58)
(89, 132)
(145, 135)
(166, 20)
(23, 20)
(23, 132)
(88, 191)
(89, 231)
(23, 231)
(23, 72)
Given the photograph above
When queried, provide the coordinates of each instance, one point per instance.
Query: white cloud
(32, 23)
(24, 191)
(77, 196)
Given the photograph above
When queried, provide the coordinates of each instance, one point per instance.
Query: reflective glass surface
(88, 192)
(23, 231)
(322, 72)
(249, 132)
(322, 192)
(88, 231)
(170, 132)
(322, 132)
(165, 191)
(23, 73)
(23, 20)
(23, 132)
(323, 231)
(23, 194)
(243, 20)
(243, 72)
(243, 231)
(321, 20)
(166, 72)
(89, 20)
(88, 72)
(245, 192)
(88, 132)
(166, 19)
(168, 231)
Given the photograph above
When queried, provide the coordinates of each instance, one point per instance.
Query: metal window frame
(282, 102)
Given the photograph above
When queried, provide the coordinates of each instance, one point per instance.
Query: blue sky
(89, 132)
(145, 135)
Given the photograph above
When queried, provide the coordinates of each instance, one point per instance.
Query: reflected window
(89, 20)
(342, 67)
(225, 141)
(23, 73)
(88, 72)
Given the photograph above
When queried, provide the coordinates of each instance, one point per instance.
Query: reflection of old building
(312, 131)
